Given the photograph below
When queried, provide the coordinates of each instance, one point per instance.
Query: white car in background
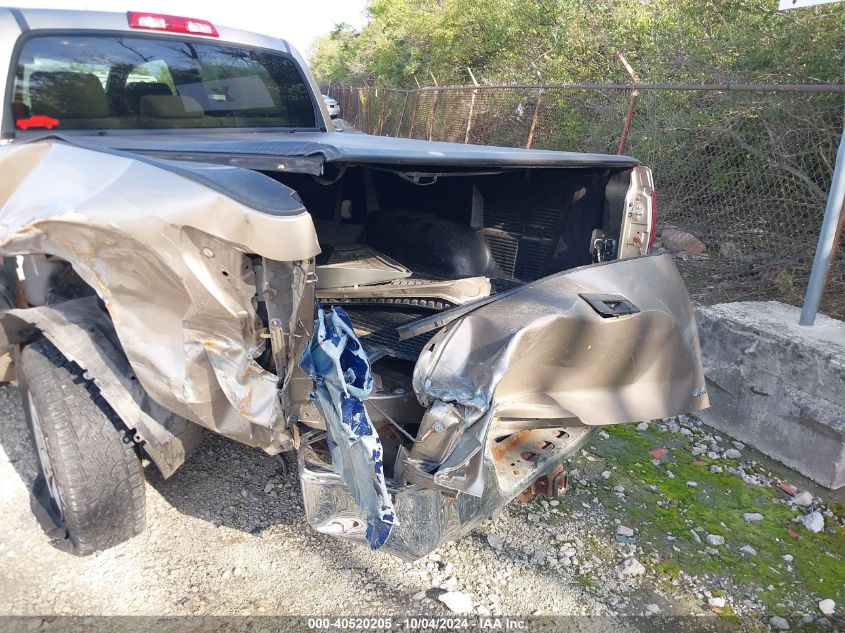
(332, 105)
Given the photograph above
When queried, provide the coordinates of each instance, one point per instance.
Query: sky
(297, 21)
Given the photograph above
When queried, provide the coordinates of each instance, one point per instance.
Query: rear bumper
(429, 517)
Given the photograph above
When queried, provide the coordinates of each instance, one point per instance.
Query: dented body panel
(167, 255)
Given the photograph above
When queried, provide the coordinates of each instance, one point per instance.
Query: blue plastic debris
(340, 369)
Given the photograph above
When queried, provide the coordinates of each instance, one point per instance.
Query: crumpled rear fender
(165, 246)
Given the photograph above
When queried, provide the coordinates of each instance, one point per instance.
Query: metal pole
(827, 239)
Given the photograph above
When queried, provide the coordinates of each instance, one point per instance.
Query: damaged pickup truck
(189, 247)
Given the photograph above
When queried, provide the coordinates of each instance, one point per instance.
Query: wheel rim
(43, 456)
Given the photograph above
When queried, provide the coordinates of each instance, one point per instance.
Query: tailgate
(603, 344)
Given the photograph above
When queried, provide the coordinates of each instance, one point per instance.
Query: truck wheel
(86, 455)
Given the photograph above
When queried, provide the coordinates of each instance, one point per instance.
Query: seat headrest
(70, 95)
(170, 107)
(133, 92)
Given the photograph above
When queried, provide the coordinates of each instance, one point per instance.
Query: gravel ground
(226, 536)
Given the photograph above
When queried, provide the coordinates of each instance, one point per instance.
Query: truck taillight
(172, 23)
(653, 227)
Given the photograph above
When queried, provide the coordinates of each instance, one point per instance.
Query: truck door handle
(610, 305)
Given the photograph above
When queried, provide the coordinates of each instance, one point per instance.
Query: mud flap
(339, 367)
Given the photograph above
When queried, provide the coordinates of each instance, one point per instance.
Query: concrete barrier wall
(776, 385)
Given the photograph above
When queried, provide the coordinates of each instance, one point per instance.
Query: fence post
(632, 102)
(535, 118)
(402, 116)
(471, 105)
(414, 113)
(433, 106)
(381, 112)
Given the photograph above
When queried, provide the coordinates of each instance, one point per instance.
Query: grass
(716, 506)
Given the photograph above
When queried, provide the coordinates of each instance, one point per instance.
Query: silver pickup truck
(189, 246)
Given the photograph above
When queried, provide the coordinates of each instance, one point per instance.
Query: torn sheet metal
(429, 517)
(168, 255)
(337, 364)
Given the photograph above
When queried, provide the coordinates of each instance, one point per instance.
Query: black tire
(85, 453)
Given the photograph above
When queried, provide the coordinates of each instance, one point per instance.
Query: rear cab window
(105, 81)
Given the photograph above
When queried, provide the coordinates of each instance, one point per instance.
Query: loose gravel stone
(827, 606)
(813, 521)
(732, 453)
(623, 530)
(715, 539)
(752, 517)
(495, 542)
(803, 499)
(457, 601)
(632, 567)
(779, 623)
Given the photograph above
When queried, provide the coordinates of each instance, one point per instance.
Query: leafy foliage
(408, 41)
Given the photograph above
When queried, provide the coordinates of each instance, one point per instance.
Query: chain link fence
(744, 169)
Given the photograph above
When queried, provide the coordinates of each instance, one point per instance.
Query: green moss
(716, 506)
(728, 615)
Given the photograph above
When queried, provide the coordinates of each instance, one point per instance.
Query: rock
(729, 250)
(692, 484)
(695, 536)
(779, 623)
(652, 609)
(642, 426)
(685, 431)
(568, 551)
(619, 489)
(731, 453)
(714, 455)
(624, 531)
(747, 549)
(631, 567)
(237, 572)
(813, 521)
(716, 602)
(715, 539)
(418, 596)
(456, 601)
(739, 445)
(788, 558)
(715, 469)
(495, 542)
(670, 474)
(603, 434)
(752, 517)
(681, 241)
(268, 487)
(803, 499)
(606, 474)
(698, 450)
(827, 606)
